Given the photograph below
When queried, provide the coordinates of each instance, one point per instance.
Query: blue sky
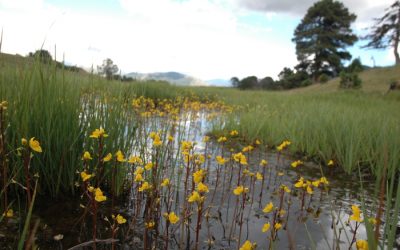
(207, 39)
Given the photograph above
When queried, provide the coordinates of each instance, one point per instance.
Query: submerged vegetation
(149, 164)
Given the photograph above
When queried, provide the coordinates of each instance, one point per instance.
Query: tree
(43, 55)
(386, 31)
(322, 36)
(235, 81)
(248, 82)
(108, 69)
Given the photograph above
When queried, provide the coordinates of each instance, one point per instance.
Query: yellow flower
(372, 221)
(135, 159)
(257, 142)
(148, 166)
(266, 227)
(281, 174)
(316, 183)
(239, 190)
(356, 216)
(170, 138)
(186, 146)
(145, 186)
(98, 133)
(202, 188)
(285, 188)
(362, 245)
(248, 246)
(299, 183)
(220, 160)
(138, 177)
(165, 182)
(157, 141)
(24, 142)
(309, 189)
(330, 163)
(248, 148)
(139, 170)
(206, 138)
(173, 218)
(277, 226)
(263, 163)
(107, 158)
(324, 180)
(222, 139)
(87, 156)
(120, 156)
(195, 197)
(241, 158)
(149, 224)
(98, 195)
(268, 208)
(85, 176)
(120, 219)
(198, 176)
(259, 176)
(35, 145)
(297, 163)
(234, 133)
(9, 213)
(282, 212)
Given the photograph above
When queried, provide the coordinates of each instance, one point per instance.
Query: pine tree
(322, 36)
(386, 31)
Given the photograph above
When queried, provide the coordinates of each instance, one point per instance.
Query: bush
(323, 78)
(349, 80)
(306, 82)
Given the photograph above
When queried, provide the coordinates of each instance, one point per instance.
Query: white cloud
(201, 38)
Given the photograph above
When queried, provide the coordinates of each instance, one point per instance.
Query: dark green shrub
(349, 80)
(323, 78)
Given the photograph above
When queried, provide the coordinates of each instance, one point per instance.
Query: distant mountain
(172, 77)
(219, 82)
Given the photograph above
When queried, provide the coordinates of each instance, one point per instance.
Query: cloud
(364, 9)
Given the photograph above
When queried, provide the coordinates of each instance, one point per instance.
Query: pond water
(308, 221)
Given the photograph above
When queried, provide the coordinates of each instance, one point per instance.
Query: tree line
(321, 40)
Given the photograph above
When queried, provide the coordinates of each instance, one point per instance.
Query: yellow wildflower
(195, 197)
(202, 188)
(120, 219)
(135, 159)
(98, 195)
(107, 158)
(145, 186)
(266, 227)
(35, 145)
(239, 190)
(9, 213)
(157, 141)
(259, 176)
(148, 166)
(24, 142)
(85, 176)
(268, 208)
(247, 149)
(170, 138)
(234, 133)
(149, 224)
(165, 182)
(257, 142)
(316, 183)
(299, 183)
(241, 158)
(138, 177)
(356, 216)
(324, 180)
(206, 138)
(98, 133)
(309, 189)
(87, 156)
(330, 163)
(198, 175)
(120, 156)
(362, 245)
(263, 163)
(297, 163)
(372, 221)
(139, 170)
(173, 218)
(277, 226)
(220, 160)
(222, 139)
(248, 246)
(281, 174)
(285, 188)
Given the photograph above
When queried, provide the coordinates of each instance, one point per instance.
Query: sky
(206, 39)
